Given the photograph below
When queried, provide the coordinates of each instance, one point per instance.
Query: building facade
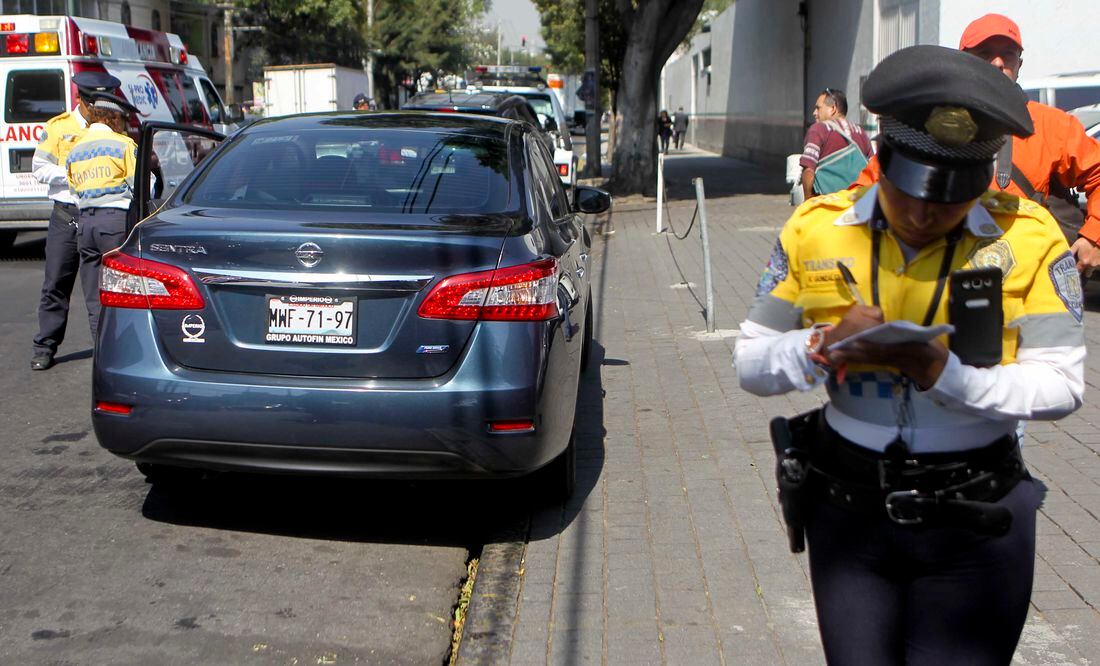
(751, 81)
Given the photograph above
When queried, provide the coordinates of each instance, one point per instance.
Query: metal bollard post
(701, 202)
(660, 192)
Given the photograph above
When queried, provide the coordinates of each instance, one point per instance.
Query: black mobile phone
(974, 307)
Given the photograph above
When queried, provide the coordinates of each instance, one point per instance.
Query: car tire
(559, 479)
(7, 240)
(586, 345)
(167, 475)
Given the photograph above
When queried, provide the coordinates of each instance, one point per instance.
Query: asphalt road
(98, 567)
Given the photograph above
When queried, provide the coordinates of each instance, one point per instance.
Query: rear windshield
(394, 171)
(541, 104)
(34, 96)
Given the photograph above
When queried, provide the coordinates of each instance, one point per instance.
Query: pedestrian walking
(362, 103)
(679, 127)
(101, 168)
(1046, 165)
(664, 129)
(62, 258)
(909, 485)
(834, 150)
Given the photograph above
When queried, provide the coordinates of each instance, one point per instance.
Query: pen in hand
(850, 282)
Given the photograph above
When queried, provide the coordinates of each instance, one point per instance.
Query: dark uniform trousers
(963, 596)
(101, 230)
(62, 263)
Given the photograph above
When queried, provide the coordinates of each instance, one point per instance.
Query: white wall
(1059, 35)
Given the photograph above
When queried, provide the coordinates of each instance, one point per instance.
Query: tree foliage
(413, 38)
(305, 31)
(563, 32)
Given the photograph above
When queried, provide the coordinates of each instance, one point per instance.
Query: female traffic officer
(918, 510)
(101, 166)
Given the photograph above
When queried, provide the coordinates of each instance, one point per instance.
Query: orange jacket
(1058, 148)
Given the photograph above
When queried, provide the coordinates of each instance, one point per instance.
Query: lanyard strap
(941, 280)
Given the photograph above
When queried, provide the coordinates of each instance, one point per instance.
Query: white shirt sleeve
(1044, 383)
(46, 172)
(769, 362)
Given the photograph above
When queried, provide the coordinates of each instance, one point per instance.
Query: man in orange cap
(1058, 151)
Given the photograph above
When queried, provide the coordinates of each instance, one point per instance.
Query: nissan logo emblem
(309, 254)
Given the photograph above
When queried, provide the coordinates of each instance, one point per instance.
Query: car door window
(559, 202)
(213, 102)
(195, 112)
(539, 188)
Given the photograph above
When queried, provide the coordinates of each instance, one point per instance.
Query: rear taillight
(563, 169)
(129, 282)
(513, 293)
(17, 43)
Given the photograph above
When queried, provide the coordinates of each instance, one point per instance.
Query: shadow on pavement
(74, 356)
(28, 246)
(438, 512)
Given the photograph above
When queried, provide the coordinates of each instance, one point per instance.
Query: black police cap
(944, 115)
(88, 82)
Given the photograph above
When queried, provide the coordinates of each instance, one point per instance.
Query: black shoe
(42, 361)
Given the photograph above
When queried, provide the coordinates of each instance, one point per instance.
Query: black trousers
(62, 264)
(894, 594)
(101, 230)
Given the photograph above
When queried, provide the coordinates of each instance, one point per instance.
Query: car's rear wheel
(586, 345)
(559, 479)
(7, 240)
(167, 475)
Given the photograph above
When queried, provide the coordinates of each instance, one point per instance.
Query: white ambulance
(38, 57)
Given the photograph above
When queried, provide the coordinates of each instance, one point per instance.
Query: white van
(38, 57)
(1065, 91)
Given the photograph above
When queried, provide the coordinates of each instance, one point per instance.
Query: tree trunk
(654, 29)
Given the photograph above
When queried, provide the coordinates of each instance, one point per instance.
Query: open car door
(167, 154)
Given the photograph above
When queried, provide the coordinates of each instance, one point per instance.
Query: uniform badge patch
(1067, 284)
(44, 136)
(775, 272)
(989, 253)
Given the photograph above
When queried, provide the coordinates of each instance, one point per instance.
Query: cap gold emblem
(951, 126)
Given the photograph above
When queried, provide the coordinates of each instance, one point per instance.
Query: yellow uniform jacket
(101, 167)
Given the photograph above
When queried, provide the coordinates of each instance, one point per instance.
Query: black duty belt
(958, 489)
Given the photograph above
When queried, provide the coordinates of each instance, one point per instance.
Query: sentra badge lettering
(178, 249)
(193, 328)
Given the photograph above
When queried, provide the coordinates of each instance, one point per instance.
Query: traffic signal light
(523, 42)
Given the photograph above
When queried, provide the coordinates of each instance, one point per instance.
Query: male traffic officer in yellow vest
(910, 485)
(62, 259)
(101, 167)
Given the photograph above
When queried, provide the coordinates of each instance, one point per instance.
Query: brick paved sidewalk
(673, 551)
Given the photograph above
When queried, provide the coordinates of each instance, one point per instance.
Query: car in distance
(389, 294)
(502, 105)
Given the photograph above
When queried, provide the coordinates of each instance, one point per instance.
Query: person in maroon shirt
(826, 136)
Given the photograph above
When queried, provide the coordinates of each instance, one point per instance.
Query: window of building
(156, 19)
(127, 18)
(897, 27)
(214, 40)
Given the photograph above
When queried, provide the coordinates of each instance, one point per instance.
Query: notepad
(896, 332)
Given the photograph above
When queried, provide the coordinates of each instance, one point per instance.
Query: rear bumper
(433, 428)
(27, 215)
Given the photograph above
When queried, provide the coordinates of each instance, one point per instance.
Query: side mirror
(550, 125)
(234, 114)
(590, 200)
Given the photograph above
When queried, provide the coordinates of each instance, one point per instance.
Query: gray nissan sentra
(392, 294)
